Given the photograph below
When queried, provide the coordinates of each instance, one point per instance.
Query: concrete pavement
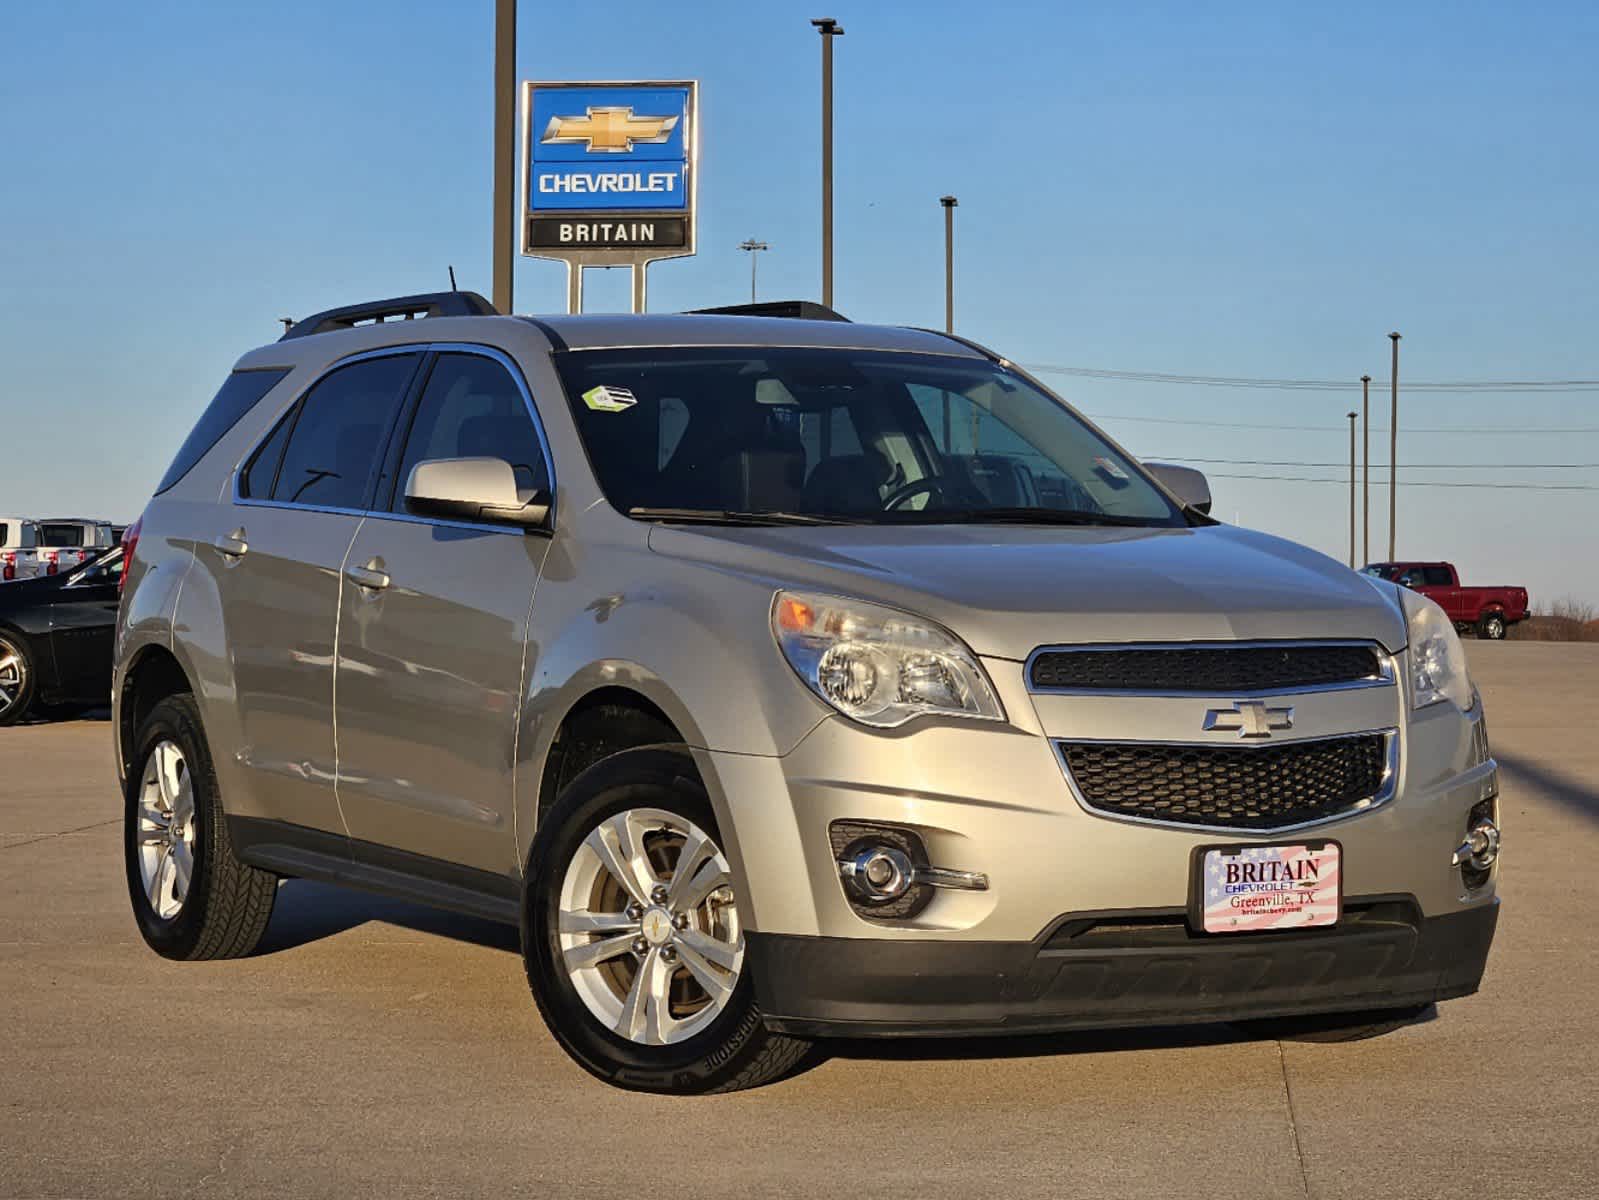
(376, 1048)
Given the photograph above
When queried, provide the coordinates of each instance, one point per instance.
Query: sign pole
(504, 151)
(640, 273)
(574, 287)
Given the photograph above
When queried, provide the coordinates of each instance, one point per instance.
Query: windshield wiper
(1017, 516)
(725, 516)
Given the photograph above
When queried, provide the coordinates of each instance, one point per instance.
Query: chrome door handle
(232, 546)
(371, 577)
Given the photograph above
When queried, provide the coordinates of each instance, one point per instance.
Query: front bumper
(1111, 970)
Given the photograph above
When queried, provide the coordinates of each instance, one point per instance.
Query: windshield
(859, 437)
(1381, 571)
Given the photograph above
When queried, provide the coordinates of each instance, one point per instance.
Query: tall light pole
(1365, 476)
(504, 150)
(1393, 447)
(1352, 417)
(829, 29)
(949, 203)
(753, 247)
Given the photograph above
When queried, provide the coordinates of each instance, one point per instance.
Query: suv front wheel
(632, 935)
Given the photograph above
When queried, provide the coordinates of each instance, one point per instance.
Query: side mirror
(474, 489)
(1187, 484)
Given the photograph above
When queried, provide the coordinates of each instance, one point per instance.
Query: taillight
(130, 543)
(51, 566)
(8, 565)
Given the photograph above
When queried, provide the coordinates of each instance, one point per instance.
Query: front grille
(1254, 787)
(1210, 669)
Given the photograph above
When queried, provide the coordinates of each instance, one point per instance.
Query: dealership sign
(609, 174)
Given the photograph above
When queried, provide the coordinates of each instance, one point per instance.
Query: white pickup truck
(31, 548)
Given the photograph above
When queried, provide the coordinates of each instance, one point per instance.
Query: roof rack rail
(401, 308)
(805, 310)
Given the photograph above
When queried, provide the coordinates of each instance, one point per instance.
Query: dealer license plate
(1247, 889)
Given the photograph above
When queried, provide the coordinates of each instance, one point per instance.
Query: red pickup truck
(1489, 611)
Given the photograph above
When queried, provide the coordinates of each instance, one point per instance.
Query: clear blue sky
(1238, 189)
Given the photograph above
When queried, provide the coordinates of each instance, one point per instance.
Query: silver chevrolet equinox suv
(781, 678)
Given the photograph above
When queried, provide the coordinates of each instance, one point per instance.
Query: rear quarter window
(239, 393)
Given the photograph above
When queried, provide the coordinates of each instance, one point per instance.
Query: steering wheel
(928, 486)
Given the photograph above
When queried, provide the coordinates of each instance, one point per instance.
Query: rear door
(430, 662)
(277, 556)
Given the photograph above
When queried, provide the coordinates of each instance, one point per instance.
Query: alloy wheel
(13, 676)
(648, 927)
(166, 838)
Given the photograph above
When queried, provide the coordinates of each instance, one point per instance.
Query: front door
(433, 625)
(277, 559)
(83, 618)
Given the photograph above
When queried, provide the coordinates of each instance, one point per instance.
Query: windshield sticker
(1110, 468)
(609, 399)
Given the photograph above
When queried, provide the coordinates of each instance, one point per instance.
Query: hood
(1008, 590)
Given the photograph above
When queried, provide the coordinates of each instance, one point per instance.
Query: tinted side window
(343, 423)
(1436, 576)
(238, 395)
(259, 473)
(471, 408)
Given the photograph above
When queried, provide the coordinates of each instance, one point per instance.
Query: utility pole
(949, 203)
(1365, 470)
(1352, 417)
(504, 150)
(829, 29)
(1393, 448)
(753, 247)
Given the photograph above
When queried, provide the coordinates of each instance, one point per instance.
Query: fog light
(877, 874)
(1481, 847)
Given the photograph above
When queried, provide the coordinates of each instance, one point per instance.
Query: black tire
(22, 689)
(736, 1050)
(228, 904)
(1493, 627)
(1329, 1028)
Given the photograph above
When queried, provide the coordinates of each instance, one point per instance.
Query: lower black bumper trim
(878, 987)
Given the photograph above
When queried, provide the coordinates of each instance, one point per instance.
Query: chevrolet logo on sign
(608, 130)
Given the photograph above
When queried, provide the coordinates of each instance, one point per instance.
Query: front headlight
(1437, 659)
(880, 666)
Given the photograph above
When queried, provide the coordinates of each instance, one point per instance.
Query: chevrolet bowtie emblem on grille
(608, 130)
(1251, 718)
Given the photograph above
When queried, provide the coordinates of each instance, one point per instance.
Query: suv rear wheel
(192, 899)
(632, 936)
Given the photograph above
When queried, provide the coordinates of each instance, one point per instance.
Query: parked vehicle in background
(19, 549)
(55, 640)
(1489, 612)
(66, 543)
(693, 646)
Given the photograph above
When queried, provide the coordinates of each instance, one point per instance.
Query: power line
(1286, 462)
(1339, 428)
(1514, 487)
(1488, 386)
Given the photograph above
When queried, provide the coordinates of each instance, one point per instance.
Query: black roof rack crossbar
(401, 308)
(804, 310)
